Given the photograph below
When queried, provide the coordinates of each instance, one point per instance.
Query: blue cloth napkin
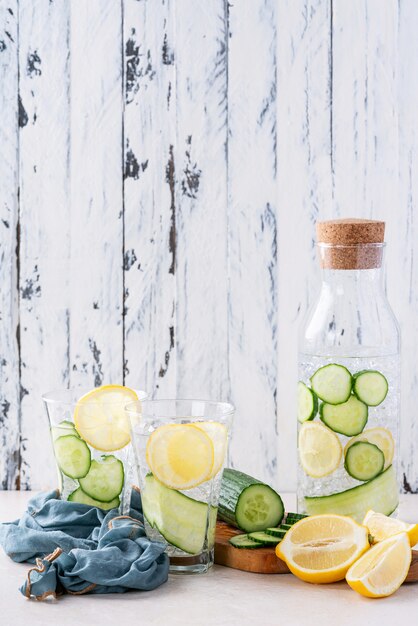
(81, 549)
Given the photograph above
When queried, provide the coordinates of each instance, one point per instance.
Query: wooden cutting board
(264, 560)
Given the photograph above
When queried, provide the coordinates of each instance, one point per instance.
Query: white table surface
(222, 596)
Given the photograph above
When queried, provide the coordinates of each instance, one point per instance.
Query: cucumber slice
(243, 541)
(286, 526)
(307, 403)
(276, 532)
(332, 383)
(364, 460)
(263, 539)
(82, 498)
(370, 386)
(181, 520)
(247, 503)
(348, 418)
(63, 428)
(381, 494)
(104, 480)
(73, 456)
(295, 517)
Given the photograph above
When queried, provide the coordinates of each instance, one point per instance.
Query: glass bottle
(348, 411)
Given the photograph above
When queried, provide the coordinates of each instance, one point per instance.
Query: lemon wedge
(320, 450)
(100, 417)
(380, 437)
(180, 456)
(321, 548)
(382, 570)
(219, 437)
(381, 527)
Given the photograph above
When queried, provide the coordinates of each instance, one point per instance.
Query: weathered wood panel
(149, 196)
(201, 216)
(96, 166)
(9, 259)
(304, 191)
(44, 224)
(402, 258)
(252, 234)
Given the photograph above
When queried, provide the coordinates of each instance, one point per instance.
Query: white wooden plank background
(159, 186)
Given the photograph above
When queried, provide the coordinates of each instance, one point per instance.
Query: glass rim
(66, 397)
(137, 408)
(375, 245)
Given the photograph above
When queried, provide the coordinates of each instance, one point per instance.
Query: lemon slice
(219, 437)
(321, 548)
(381, 527)
(380, 437)
(100, 417)
(382, 570)
(320, 450)
(180, 456)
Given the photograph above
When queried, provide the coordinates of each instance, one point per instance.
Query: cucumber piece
(72, 455)
(63, 428)
(264, 539)
(286, 526)
(82, 498)
(332, 383)
(182, 521)
(348, 418)
(247, 503)
(381, 494)
(104, 481)
(276, 532)
(243, 541)
(295, 517)
(364, 460)
(370, 386)
(307, 403)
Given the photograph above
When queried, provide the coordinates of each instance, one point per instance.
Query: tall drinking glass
(91, 440)
(180, 448)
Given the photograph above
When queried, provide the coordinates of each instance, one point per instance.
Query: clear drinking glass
(180, 448)
(351, 324)
(92, 453)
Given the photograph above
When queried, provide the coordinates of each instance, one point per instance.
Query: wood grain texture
(304, 192)
(44, 225)
(9, 260)
(201, 195)
(252, 235)
(149, 196)
(96, 271)
(173, 157)
(258, 561)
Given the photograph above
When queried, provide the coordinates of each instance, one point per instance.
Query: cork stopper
(351, 243)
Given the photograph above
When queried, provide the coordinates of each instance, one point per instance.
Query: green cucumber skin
(80, 497)
(322, 397)
(357, 375)
(276, 532)
(314, 404)
(380, 494)
(351, 471)
(233, 487)
(264, 539)
(327, 421)
(244, 543)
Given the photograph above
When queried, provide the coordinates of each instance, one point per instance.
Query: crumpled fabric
(81, 549)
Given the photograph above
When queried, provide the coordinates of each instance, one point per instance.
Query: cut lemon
(381, 527)
(321, 548)
(382, 570)
(100, 417)
(320, 450)
(219, 436)
(380, 437)
(180, 456)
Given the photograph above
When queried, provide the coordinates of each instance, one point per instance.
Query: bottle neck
(364, 281)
